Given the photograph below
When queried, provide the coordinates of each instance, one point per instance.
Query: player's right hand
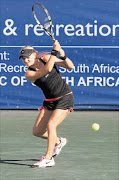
(56, 46)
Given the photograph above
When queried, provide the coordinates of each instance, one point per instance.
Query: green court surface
(89, 155)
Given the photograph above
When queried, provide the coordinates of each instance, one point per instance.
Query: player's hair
(27, 47)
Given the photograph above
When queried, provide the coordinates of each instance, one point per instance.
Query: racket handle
(53, 39)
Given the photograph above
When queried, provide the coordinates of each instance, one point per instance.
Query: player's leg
(40, 126)
(43, 121)
(55, 119)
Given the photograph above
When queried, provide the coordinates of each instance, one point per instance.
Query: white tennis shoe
(58, 147)
(44, 162)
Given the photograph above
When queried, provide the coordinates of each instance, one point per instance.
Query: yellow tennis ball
(95, 127)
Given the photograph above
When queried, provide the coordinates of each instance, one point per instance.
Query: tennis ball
(95, 127)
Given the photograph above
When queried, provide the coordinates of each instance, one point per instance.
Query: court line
(111, 47)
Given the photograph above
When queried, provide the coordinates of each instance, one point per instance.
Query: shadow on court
(17, 162)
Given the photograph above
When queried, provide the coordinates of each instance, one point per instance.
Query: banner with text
(89, 34)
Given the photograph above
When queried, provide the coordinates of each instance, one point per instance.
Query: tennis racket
(43, 19)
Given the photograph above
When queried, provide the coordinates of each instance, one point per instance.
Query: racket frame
(49, 18)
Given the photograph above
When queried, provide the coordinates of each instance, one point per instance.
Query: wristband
(54, 52)
(63, 58)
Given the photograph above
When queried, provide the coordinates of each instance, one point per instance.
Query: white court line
(111, 47)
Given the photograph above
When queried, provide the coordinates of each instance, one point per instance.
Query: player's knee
(37, 133)
(51, 125)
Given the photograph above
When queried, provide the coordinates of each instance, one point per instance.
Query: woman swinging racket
(58, 101)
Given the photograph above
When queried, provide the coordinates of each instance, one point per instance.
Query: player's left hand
(61, 53)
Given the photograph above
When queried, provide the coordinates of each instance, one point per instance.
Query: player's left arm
(67, 63)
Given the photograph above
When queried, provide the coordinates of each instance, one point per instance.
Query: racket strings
(42, 17)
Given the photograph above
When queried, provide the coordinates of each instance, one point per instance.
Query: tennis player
(58, 101)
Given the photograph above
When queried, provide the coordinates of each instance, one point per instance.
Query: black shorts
(65, 102)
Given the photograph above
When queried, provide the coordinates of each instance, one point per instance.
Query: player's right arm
(33, 75)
